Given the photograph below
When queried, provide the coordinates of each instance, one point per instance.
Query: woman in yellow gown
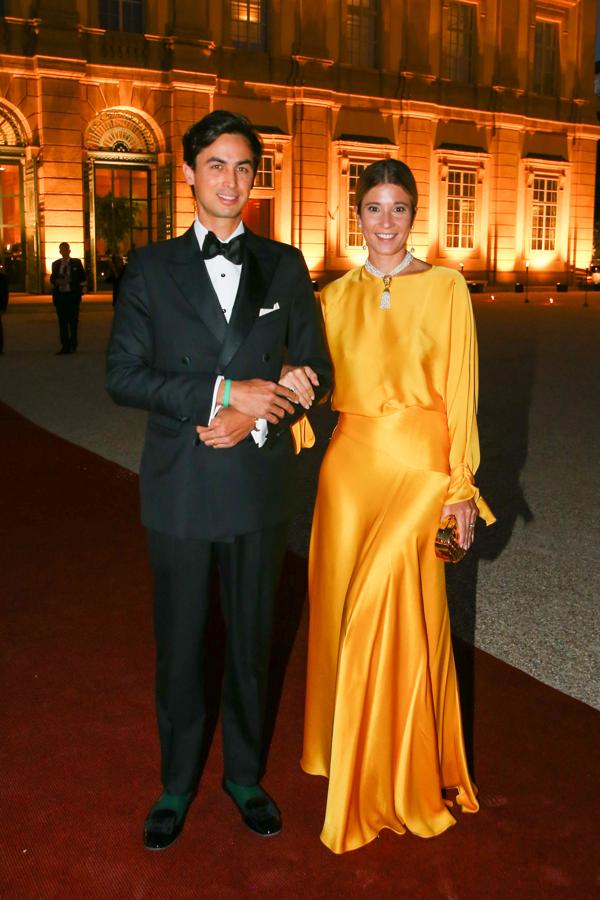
(382, 708)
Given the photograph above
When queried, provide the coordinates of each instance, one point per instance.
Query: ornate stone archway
(12, 132)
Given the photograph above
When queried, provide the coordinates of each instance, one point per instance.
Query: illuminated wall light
(542, 262)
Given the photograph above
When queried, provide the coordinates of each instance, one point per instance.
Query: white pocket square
(268, 309)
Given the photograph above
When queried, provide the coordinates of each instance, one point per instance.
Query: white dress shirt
(225, 278)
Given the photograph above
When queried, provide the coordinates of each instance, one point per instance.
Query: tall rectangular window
(360, 29)
(264, 174)
(545, 205)
(461, 42)
(122, 15)
(460, 208)
(545, 65)
(354, 236)
(249, 24)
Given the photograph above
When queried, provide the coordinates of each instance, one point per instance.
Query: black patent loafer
(260, 814)
(161, 829)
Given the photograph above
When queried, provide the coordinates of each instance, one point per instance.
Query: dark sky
(598, 34)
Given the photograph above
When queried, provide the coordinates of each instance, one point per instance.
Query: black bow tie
(233, 250)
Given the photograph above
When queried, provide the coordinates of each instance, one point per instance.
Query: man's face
(64, 250)
(222, 179)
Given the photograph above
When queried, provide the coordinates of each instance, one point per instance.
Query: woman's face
(386, 216)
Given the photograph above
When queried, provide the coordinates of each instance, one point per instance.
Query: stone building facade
(491, 102)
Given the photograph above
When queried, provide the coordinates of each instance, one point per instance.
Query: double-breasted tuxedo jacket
(170, 341)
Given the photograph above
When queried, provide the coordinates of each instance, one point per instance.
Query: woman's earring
(412, 246)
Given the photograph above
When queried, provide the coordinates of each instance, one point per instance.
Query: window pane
(122, 15)
(264, 173)
(132, 15)
(354, 236)
(139, 184)
(544, 211)
(248, 23)
(459, 55)
(103, 181)
(121, 182)
(546, 57)
(460, 208)
(360, 27)
(121, 216)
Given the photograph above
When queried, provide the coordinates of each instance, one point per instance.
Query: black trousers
(249, 569)
(67, 309)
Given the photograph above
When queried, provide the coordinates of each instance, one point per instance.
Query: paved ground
(529, 593)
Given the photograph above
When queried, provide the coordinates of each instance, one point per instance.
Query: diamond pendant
(386, 300)
(386, 297)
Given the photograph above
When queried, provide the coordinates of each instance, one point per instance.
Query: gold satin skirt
(382, 708)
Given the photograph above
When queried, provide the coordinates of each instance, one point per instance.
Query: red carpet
(79, 750)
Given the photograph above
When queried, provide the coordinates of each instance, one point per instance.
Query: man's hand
(302, 380)
(227, 429)
(260, 399)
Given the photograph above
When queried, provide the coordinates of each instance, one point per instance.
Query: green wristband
(226, 393)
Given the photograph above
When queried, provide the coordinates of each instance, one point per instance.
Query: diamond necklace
(386, 298)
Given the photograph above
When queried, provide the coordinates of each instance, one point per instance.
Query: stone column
(309, 193)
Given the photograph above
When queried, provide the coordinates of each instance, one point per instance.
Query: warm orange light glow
(314, 262)
(541, 261)
(506, 261)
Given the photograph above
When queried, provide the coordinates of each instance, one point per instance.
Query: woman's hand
(302, 380)
(465, 513)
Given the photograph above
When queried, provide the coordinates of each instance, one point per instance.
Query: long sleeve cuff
(462, 487)
(214, 407)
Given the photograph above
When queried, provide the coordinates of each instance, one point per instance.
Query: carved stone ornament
(120, 131)
(11, 132)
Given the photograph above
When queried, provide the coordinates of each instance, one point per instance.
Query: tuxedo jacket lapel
(257, 272)
(189, 273)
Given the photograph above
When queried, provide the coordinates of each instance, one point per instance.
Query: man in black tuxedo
(204, 324)
(67, 278)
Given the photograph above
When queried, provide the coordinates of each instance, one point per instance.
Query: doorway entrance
(12, 225)
(122, 217)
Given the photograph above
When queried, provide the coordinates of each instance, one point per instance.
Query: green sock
(177, 802)
(243, 792)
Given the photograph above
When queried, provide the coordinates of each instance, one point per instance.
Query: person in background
(67, 279)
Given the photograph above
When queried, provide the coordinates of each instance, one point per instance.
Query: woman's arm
(462, 385)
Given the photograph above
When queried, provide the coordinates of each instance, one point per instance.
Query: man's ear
(188, 174)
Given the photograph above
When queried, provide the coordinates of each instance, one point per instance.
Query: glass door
(12, 225)
(122, 217)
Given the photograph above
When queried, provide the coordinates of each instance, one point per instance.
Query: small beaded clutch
(447, 547)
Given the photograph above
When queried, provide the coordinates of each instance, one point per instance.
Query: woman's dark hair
(387, 171)
(207, 130)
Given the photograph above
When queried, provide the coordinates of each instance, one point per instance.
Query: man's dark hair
(207, 130)
(387, 171)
